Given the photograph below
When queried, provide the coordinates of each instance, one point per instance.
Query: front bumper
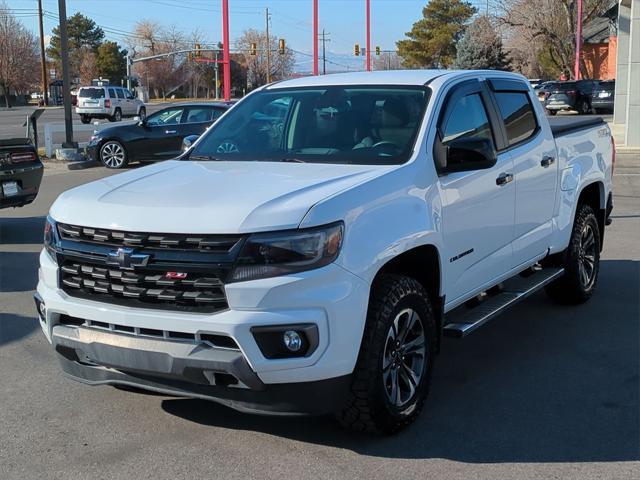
(332, 299)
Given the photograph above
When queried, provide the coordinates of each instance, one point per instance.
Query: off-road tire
(571, 288)
(369, 408)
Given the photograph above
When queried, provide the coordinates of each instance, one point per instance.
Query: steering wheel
(227, 147)
(385, 143)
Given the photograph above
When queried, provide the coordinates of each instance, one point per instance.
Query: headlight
(273, 254)
(51, 239)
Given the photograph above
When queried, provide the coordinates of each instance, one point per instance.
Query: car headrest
(394, 113)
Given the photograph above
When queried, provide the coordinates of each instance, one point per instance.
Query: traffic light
(356, 49)
(378, 50)
(281, 46)
(198, 52)
(253, 48)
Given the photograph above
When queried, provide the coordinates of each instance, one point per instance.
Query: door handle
(547, 161)
(170, 131)
(504, 178)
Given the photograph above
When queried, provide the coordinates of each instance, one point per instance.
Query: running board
(462, 320)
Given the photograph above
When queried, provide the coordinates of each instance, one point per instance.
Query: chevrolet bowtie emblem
(126, 259)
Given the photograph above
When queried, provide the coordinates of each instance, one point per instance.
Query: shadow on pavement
(15, 327)
(21, 230)
(542, 383)
(18, 271)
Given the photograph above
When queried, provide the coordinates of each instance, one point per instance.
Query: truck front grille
(145, 288)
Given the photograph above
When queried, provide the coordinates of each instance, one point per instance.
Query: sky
(343, 20)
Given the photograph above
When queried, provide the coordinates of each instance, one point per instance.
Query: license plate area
(10, 188)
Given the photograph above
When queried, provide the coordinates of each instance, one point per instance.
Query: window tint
(468, 119)
(198, 115)
(217, 112)
(120, 93)
(91, 93)
(170, 116)
(518, 115)
(112, 93)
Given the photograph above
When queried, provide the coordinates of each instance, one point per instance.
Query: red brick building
(599, 49)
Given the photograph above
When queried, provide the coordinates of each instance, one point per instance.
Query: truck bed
(564, 125)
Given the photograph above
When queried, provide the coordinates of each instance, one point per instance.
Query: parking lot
(542, 392)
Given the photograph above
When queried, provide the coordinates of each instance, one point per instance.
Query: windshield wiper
(204, 158)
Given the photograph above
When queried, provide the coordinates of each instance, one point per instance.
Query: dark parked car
(158, 137)
(572, 95)
(542, 90)
(603, 97)
(20, 172)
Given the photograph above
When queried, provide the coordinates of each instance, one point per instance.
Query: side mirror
(188, 141)
(465, 154)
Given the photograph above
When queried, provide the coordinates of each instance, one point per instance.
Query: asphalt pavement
(544, 391)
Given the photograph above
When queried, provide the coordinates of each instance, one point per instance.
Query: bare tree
(88, 69)
(550, 25)
(387, 61)
(256, 65)
(18, 55)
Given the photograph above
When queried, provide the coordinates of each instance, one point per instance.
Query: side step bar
(462, 320)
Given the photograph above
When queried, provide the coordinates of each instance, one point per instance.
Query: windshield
(91, 93)
(361, 125)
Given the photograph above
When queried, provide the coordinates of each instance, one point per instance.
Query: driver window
(169, 116)
(468, 119)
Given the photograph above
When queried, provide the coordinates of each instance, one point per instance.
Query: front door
(478, 205)
(163, 135)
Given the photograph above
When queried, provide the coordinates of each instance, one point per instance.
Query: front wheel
(581, 261)
(393, 373)
(113, 155)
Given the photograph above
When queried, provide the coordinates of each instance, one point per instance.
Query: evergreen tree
(111, 62)
(432, 40)
(481, 48)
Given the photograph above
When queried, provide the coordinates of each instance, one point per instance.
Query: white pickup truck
(309, 251)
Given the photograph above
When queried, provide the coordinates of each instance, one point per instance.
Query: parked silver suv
(109, 102)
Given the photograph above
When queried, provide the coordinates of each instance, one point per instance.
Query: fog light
(292, 340)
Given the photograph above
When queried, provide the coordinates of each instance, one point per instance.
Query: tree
(83, 33)
(88, 69)
(432, 39)
(18, 55)
(387, 61)
(481, 48)
(549, 27)
(256, 65)
(111, 62)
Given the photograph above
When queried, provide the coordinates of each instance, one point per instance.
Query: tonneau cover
(564, 125)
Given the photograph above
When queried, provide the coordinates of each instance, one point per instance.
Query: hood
(208, 197)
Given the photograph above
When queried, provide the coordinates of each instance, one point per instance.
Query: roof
(381, 77)
(203, 104)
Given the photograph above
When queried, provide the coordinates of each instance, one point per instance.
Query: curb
(82, 165)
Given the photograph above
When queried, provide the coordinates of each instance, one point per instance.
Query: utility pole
(66, 84)
(43, 61)
(217, 70)
(368, 52)
(324, 52)
(576, 72)
(268, 47)
(315, 37)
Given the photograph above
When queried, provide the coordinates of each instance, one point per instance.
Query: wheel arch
(423, 263)
(593, 194)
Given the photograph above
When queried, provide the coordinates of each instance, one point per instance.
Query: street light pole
(66, 84)
(576, 71)
(43, 62)
(226, 65)
(268, 47)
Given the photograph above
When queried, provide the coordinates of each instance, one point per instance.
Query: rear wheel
(85, 119)
(393, 373)
(113, 155)
(551, 112)
(581, 261)
(117, 116)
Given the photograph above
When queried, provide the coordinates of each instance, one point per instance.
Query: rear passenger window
(468, 120)
(518, 115)
(199, 115)
(112, 93)
(120, 93)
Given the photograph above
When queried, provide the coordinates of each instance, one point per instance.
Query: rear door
(533, 151)
(478, 205)
(198, 118)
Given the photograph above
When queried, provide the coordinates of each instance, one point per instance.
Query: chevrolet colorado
(306, 254)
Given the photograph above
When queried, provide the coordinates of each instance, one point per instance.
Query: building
(600, 42)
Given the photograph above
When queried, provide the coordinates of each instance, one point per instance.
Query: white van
(109, 102)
